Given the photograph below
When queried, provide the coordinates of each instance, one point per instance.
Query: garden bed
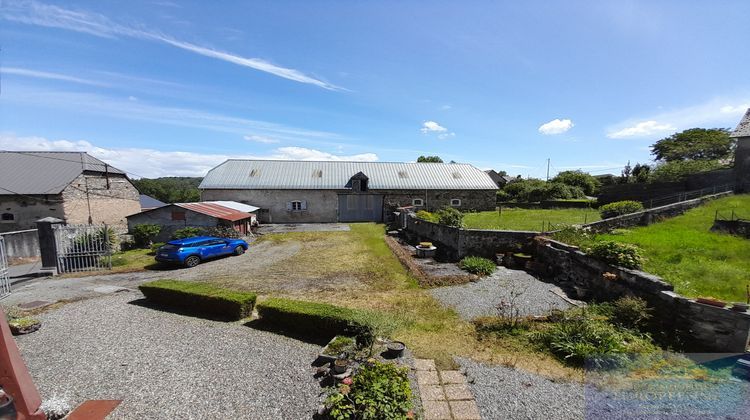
(427, 271)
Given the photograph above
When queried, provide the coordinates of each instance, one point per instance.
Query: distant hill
(172, 189)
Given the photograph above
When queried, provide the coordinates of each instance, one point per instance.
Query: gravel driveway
(168, 366)
(505, 393)
(482, 297)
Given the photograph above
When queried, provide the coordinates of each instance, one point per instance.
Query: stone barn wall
(108, 205)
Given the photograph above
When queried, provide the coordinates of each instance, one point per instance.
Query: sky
(173, 88)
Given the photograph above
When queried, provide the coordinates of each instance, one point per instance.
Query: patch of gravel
(505, 393)
(482, 297)
(166, 366)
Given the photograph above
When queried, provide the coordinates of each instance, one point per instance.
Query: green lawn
(529, 219)
(696, 261)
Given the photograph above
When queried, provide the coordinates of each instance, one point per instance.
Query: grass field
(696, 261)
(529, 219)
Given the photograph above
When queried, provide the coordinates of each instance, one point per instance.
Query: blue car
(191, 251)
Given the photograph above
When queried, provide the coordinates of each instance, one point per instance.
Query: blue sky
(173, 88)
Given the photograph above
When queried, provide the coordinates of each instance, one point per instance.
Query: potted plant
(340, 365)
(25, 325)
(395, 349)
(711, 301)
(425, 250)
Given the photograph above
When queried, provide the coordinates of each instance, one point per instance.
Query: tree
(641, 172)
(170, 189)
(580, 179)
(695, 144)
(677, 170)
(429, 159)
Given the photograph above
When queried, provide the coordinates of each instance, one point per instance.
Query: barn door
(360, 208)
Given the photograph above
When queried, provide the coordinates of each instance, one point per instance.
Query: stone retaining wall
(653, 215)
(454, 243)
(734, 227)
(695, 326)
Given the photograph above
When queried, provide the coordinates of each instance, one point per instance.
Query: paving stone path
(445, 394)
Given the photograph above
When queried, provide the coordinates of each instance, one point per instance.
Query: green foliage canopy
(170, 189)
(584, 181)
(429, 159)
(694, 144)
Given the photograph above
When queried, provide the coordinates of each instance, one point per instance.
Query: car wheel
(192, 261)
(239, 250)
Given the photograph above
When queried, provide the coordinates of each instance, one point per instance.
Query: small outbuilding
(210, 214)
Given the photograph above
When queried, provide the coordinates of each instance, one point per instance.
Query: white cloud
(446, 135)
(446, 107)
(556, 126)
(40, 14)
(155, 163)
(718, 112)
(260, 139)
(49, 75)
(642, 129)
(432, 127)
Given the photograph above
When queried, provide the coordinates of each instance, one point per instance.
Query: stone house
(742, 153)
(500, 180)
(213, 214)
(330, 191)
(72, 186)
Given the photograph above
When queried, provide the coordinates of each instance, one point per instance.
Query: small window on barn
(417, 202)
(356, 185)
(8, 217)
(178, 215)
(403, 174)
(456, 175)
(296, 205)
(253, 172)
(318, 173)
(456, 202)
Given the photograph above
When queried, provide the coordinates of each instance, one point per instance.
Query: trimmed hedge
(311, 318)
(618, 208)
(200, 298)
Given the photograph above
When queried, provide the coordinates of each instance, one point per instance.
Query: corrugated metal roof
(215, 210)
(236, 206)
(331, 175)
(45, 172)
(743, 128)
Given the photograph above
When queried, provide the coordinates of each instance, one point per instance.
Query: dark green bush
(586, 182)
(200, 298)
(378, 391)
(186, 232)
(616, 253)
(478, 265)
(318, 319)
(450, 217)
(628, 312)
(145, 233)
(619, 208)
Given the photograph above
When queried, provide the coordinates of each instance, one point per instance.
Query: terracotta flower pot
(712, 302)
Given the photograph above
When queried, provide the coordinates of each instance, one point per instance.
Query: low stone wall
(734, 227)
(454, 243)
(646, 217)
(697, 327)
(22, 246)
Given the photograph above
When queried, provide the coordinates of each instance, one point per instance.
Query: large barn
(306, 191)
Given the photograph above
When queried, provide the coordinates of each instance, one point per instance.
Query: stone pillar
(47, 245)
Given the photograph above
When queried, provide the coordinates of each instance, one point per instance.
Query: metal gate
(360, 208)
(83, 248)
(4, 278)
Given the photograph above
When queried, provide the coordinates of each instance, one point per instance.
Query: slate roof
(334, 175)
(45, 172)
(743, 128)
(148, 202)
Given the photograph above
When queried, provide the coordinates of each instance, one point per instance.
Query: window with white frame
(417, 202)
(456, 202)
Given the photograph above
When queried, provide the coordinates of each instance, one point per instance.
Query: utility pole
(547, 169)
(86, 183)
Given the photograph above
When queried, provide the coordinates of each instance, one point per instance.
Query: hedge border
(200, 298)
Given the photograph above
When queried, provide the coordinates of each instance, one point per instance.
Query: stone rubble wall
(734, 227)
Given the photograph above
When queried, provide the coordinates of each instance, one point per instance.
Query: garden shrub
(426, 215)
(628, 312)
(200, 298)
(377, 391)
(186, 232)
(155, 247)
(574, 235)
(144, 234)
(618, 208)
(581, 338)
(478, 265)
(501, 326)
(319, 319)
(450, 217)
(616, 253)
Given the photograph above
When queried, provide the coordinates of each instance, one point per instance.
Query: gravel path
(505, 393)
(482, 297)
(168, 366)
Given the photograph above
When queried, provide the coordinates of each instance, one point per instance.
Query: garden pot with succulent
(425, 250)
(340, 365)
